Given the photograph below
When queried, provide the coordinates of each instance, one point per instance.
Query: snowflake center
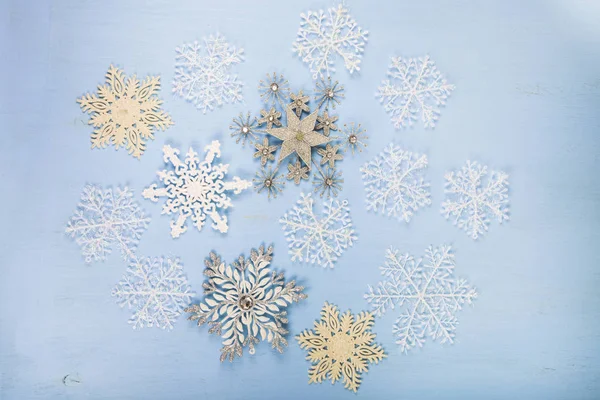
(353, 139)
(329, 181)
(327, 123)
(245, 129)
(268, 182)
(197, 189)
(300, 136)
(299, 103)
(265, 152)
(274, 87)
(271, 118)
(246, 302)
(126, 111)
(330, 93)
(341, 346)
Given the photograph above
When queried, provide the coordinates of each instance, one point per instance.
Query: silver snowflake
(394, 184)
(318, 239)
(427, 290)
(104, 217)
(415, 86)
(470, 203)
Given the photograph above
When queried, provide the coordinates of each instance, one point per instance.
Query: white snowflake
(394, 183)
(156, 289)
(427, 290)
(204, 79)
(195, 189)
(104, 217)
(323, 36)
(414, 86)
(318, 239)
(470, 204)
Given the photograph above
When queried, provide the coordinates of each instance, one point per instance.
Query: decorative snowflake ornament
(318, 239)
(195, 189)
(246, 302)
(471, 203)
(341, 348)
(427, 290)
(158, 291)
(415, 89)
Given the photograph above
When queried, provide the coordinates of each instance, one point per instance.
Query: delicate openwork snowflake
(246, 302)
(125, 112)
(341, 347)
(157, 290)
(322, 37)
(318, 239)
(202, 74)
(427, 290)
(106, 216)
(470, 204)
(415, 89)
(195, 189)
(354, 137)
(394, 183)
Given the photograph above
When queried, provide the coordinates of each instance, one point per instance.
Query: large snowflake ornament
(318, 239)
(246, 302)
(428, 291)
(105, 217)
(195, 189)
(394, 183)
(473, 201)
(156, 289)
(202, 73)
(414, 89)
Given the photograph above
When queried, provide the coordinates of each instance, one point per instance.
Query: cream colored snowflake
(340, 348)
(125, 112)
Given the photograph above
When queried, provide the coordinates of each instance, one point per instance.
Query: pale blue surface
(527, 101)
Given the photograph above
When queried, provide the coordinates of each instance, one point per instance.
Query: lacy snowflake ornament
(427, 290)
(322, 37)
(195, 189)
(246, 302)
(471, 203)
(104, 217)
(394, 183)
(156, 289)
(318, 239)
(415, 89)
(202, 73)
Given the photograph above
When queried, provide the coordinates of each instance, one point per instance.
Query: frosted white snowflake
(471, 204)
(323, 36)
(318, 239)
(104, 217)
(195, 189)
(415, 86)
(204, 79)
(427, 290)
(158, 291)
(394, 183)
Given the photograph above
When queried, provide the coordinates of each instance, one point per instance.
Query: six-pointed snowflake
(394, 183)
(415, 86)
(427, 290)
(156, 289)
(195, 189)
(471, 204)
(318, 239)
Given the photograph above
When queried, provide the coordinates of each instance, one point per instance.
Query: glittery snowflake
(323, 36)
(415, 89)
(427, 290)
(104, 217)
(202, 73)
(318, 239)
(195, 189)
(246, 302)
(471, 203)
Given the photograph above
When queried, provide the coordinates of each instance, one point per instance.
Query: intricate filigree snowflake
(394, 184)
(204, 80)
(323, 36)
(415, 86)
(158, 291)
(195, 188)
(125, 112)
(104, 217)
(318, 240)
(470, 204)
(427, 289)
(246, 302)
(341, 348)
